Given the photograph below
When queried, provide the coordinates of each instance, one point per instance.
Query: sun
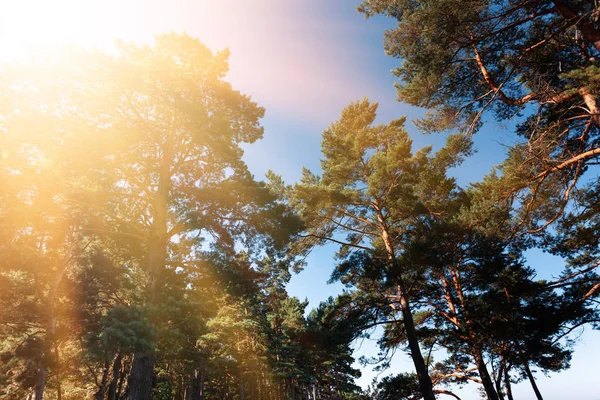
(28, 26)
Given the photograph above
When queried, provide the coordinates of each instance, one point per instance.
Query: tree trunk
(241, 384)
(507, 384)
(196, 386)
(58, 377)
(415, 351)
(116, 372)
(488, 383)
(140, 377)
(538, 395)
(40, 383)
(201, 386)
(99, 395)
(409, 324)
(124, 373)
(498, 380)
(142, 368)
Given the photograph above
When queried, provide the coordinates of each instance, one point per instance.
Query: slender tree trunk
(241, 384)
(425, 383)
(590, 102)
(142, 368)
(99, 395)
(40, 383)
(195, 387)
(476, 352)
(488, 383)
(507, 384)
(116, 372)
(124, 373)
(538, 394)
(58, 376)
(498, 380)
(201, 388)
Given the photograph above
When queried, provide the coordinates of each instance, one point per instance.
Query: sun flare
(28, 26)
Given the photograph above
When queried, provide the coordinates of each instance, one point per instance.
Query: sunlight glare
(28, 26)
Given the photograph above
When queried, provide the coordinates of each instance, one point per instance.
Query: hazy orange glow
(278, 52)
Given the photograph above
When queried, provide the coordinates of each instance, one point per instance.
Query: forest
(140, 258)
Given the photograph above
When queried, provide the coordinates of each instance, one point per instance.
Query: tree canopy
(141, 259)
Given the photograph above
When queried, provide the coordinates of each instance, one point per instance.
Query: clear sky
(303, 61)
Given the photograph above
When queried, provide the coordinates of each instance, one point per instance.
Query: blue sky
(292, 140)
(303, 61)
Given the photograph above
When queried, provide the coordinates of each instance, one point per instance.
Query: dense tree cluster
(139, 256)
(141, 259)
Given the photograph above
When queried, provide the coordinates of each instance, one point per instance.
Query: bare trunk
(140, 377)
(507, 384)
(142, 367)
(241, 385)
(425, 383)
(201, 388)
(40, 383)
(58, 377)
(415, 351)
(196, 386)
(116, 372)
(124, 373)
(538, 394)
(499, 377)
(99, 395)
(486, 379)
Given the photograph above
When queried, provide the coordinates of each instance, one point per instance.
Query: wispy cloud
(293, 57)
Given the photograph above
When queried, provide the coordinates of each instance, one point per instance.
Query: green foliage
(401, 386)
(141, 258)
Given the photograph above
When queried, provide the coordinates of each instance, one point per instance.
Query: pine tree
(373, 189)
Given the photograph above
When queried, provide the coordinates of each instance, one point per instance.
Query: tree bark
(241, 385)
(590, 102)
(51, 324)
(538, 394)
(116, 372)
(507, 384)
(58, 376)
(486, 379)
(99, 395)
(142, 367)
(425, 383)
(40, 383)
(140, 377)
(498, 380)
(124, 373)
(196, 386)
